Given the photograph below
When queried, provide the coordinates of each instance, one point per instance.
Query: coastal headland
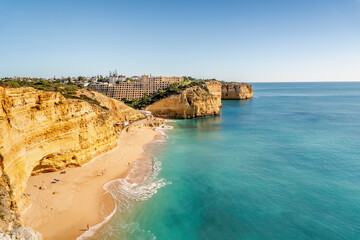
(193, 102)
(200, 101)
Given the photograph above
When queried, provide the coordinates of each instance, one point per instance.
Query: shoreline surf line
(60, 210)
(92, 231)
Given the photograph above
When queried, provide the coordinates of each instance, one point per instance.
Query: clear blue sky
(244, 40)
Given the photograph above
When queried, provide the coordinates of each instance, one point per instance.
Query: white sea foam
(135, 228)
(140, 184)
(164, 128)
(92, 230)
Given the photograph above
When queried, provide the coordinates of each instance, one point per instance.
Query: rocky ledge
(193, 102)
(21, 233)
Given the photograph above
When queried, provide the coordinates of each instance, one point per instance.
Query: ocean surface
(284, 165)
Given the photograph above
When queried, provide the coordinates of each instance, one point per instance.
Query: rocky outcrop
(214, 88)
(236, 91)
(149, 123)
(43, 131)
(21, 233)
(199, 101)
(119, 109)
(8, 206)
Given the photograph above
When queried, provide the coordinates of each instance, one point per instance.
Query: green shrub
(44, 85)
(89, 100)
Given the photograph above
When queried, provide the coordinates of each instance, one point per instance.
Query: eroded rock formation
(8, 207)
(236, 91)
(119, 109)
(191, 103)
(21, 233)
(43, 131)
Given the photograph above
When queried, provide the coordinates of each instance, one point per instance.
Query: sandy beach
(63, 210)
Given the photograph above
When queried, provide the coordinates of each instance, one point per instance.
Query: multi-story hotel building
(135, 89)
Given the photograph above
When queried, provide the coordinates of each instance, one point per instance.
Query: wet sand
(65, 209)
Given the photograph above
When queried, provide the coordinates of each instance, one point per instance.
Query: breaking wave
(140, 184)
(163, 129)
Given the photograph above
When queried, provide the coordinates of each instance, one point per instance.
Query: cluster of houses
(82, 81)
(117, 86)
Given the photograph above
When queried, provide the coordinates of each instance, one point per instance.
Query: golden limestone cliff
(43, 131)
(198, 101)
(234, 91)
(120, 110)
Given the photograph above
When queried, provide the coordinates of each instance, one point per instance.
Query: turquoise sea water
(284, 165)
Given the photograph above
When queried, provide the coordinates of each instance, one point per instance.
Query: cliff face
(8, 207)
(42, 131)
(191, 103)
(120, 110)
(214, 88)
(236, 91)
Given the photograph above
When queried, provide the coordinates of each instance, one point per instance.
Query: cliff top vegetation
(173, 89)
(68, 90)
(41, 84)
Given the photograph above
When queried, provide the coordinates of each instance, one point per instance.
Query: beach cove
(65, 210)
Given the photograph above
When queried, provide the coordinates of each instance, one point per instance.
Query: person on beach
(88, 227)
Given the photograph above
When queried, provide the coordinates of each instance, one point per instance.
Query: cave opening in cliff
(43, 166)
(2, 163)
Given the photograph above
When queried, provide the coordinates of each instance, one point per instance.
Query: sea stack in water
(193, 102)
(236, 91)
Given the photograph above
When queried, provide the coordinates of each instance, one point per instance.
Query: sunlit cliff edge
(236, 91)
(193, 102)
(200, 101)
(44, 131)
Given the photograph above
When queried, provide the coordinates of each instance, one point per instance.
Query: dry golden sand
(63, 210)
